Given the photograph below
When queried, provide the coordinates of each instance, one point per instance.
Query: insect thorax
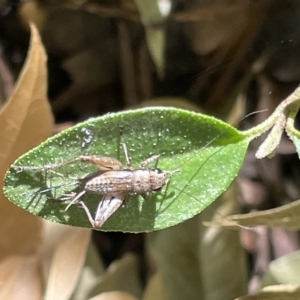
(148, 180)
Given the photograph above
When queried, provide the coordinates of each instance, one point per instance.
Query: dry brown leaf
(155, 288)
(64, 256)
(276, 292)
(25, 121)
(92, 270)
(286, 216)
(114, 296)
(20, 278)
(122, 275)
(283, 270)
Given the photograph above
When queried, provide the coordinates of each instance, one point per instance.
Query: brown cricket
(113, 181)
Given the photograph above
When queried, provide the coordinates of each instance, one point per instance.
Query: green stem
(293, 100)
(290, 129)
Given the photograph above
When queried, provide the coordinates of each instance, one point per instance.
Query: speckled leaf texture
(208, 153)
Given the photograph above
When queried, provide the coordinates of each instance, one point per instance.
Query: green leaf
(208, 152)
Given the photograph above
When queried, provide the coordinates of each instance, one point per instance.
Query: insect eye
(158, 171)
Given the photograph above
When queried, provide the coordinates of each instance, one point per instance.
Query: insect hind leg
(106, 208)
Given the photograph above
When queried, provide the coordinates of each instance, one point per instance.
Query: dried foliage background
(225, 58)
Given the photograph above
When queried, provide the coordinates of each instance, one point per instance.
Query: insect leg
(102, 162)
(105, 163)
(128, 159)
(149, 160)
(107, 206)
(74, 198)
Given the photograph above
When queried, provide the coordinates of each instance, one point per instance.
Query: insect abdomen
(110, 182)
(131, 181)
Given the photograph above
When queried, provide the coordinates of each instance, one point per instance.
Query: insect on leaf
(208, 153)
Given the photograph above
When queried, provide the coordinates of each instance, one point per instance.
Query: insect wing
(107, 207)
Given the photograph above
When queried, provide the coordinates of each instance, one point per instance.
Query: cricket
(113, 181)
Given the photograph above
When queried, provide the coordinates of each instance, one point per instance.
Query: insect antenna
(53, 188)
(221, 216)
(252, 113)
(197, 172)
(220, 135)
(200, 150)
